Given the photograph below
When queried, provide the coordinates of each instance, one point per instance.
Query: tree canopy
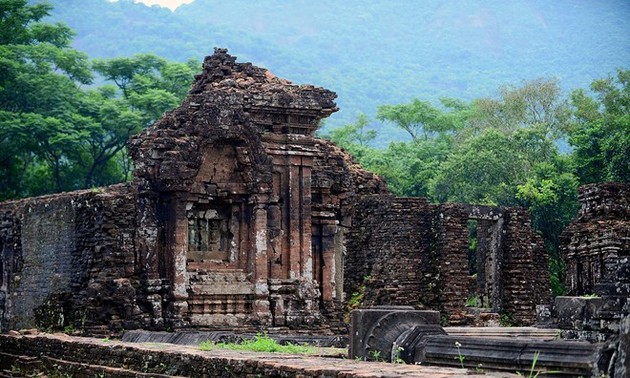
(504, 151)
(57, 134)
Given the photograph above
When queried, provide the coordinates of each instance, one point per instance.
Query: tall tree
(145, 87)
(600, 133)
(40, 78)
(419, 118)
(55, 135)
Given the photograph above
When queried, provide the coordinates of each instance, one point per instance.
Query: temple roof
(262, 90)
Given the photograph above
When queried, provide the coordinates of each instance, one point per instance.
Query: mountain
(374, 53)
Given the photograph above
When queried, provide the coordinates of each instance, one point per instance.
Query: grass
(532, 372)
(260, 343)
(589, 296)
(472, 301)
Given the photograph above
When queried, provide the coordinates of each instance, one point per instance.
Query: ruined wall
(450, 250)
(386, 246)
(405, 251)
(596, 249)
(525, 269)
(238, 216)
(68, 260)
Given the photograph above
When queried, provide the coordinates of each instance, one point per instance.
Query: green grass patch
(260, 343)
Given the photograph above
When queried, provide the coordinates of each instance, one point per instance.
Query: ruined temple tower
(250, 203)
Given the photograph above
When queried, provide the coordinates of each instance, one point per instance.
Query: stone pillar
(301, 255)
(260, 265)
(451, 247)
(179, 249)
(329, 270)
(340, 253)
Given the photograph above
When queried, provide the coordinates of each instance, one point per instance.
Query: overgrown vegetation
(356, 298)
(260, 343)
(460, 357)
(473, 301)
(533, 372)
(505, 320)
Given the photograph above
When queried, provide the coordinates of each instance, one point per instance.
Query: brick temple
(238, 216)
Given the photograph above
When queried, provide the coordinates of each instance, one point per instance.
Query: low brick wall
(68, 259)
(408, 252)
(77, 356)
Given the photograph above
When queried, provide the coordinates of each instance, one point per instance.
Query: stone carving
(398, 334)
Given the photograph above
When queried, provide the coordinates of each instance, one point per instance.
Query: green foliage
(533, 373)
(482, 170)
(353, 136)
(55, 135)
(364, 51)
(556, 275)
(410, 167)
(418, 118)
(472, 301)
(375, 355)
(506, 320)
(39, 86)
(600, 133)
(396, 359)
(459, 356)
(501, 152)
(589, 296)
(356, 298)
(260, 343)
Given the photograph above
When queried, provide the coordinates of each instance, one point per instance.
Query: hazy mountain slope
(374, 53)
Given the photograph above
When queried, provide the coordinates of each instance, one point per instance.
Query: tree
(108, 123)
(483, 169)
(353, 133)
(600, 132)
(55, 135)
(149, 86)
(418, 118)
(409, 167)
(40, 78)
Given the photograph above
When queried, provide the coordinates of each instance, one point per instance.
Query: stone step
(568, 358)
(510, 332)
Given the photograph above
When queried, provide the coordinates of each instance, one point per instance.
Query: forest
(65, 117)
(372, 52)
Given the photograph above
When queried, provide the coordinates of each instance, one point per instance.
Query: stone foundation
(61, 355)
